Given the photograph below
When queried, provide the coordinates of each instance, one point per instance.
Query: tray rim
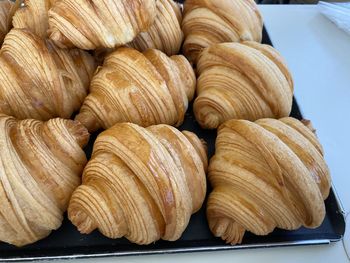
(339, 203)
(176, 250)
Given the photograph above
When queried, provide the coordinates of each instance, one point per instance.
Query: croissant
(7, 9)
(41, 164)
(92, 24)
(34, 16)
(143, 88)
(266, 174)
(165, 34)
(208, 22)
(141, 183)
(39, 80)
(241, 81)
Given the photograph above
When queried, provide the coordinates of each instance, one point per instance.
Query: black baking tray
(67, 242)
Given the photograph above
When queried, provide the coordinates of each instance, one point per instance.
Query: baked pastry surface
(209, 22)
(92, 24)
(38, 80)
(266, 174)
(244, 80)
(143, 88)
(40, 167)
(141, 183)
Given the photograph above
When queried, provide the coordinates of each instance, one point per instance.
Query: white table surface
(318, 55)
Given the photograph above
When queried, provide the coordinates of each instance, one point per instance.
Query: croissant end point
(81, 220)
(187, 75)
(207, 120)
(79, 132)
(229, 231)
(308, 124)
(88, 120)
(200, 146)
(59, 39)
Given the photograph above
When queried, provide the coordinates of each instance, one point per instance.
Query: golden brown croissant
(143, 88)
(141, 183)
(41, 164)
(208, 22)
(34, 16)
(39, 80)
(241, 81)
(92, 24)
(266, 174)
(165, 34)
(7, 9)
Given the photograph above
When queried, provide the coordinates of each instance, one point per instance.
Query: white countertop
(318, 55)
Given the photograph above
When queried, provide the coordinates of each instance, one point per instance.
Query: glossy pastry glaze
(92, 24)
(208, 22)
(266, 174)
(40, 167)
(244, 80)
(39, 80)
(141, 183)
(143, 88)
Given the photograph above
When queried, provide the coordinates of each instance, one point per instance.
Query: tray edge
(176, 250)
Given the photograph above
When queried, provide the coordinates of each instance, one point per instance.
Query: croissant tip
(88, 120)
(83, 223)
(227, 230)
(59, 39)
(309, 125)
(200, 145)
(209, 121)
(188, 75)
(79, 132)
